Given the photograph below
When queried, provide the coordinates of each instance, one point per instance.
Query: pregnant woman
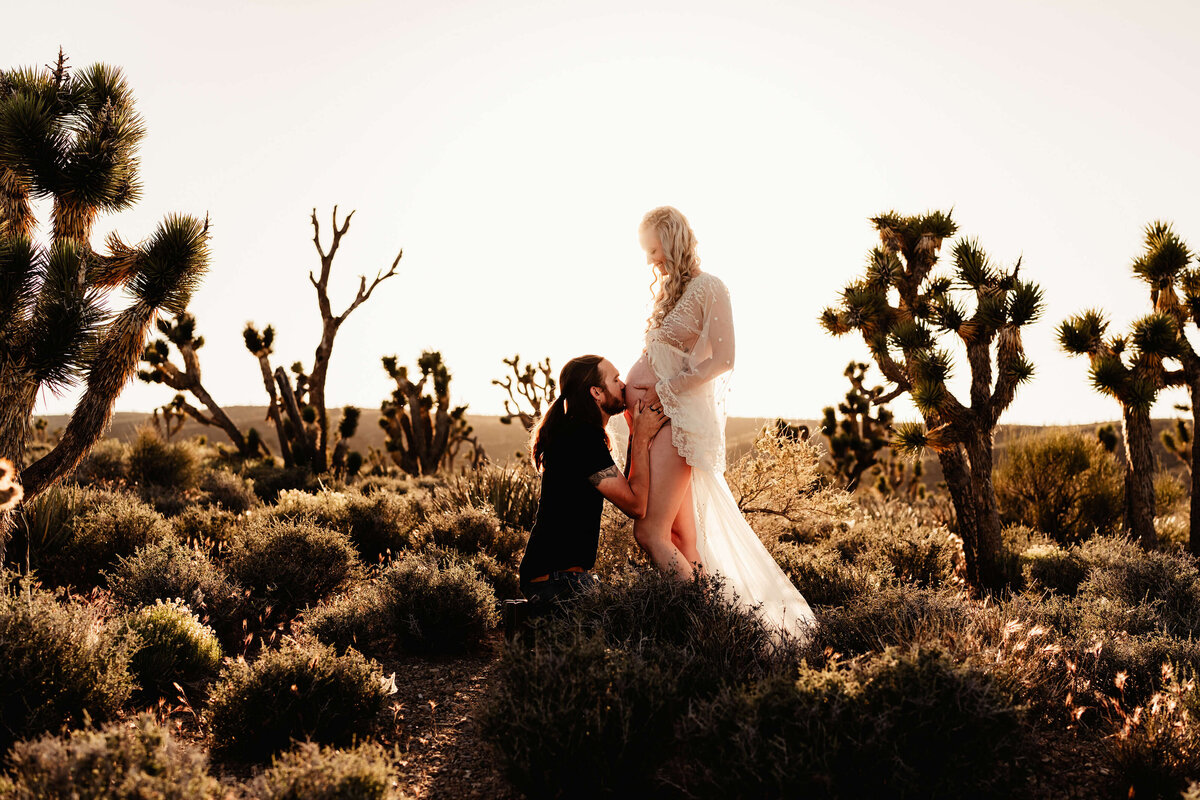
(692, 521)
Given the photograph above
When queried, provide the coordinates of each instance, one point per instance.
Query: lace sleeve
(716, 336)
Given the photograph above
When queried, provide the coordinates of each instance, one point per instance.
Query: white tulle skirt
(729, 547)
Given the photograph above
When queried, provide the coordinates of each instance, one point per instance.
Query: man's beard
(612, 404)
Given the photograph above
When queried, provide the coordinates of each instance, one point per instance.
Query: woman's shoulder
(708, 283)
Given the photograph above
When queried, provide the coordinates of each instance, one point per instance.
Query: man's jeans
(559, 586)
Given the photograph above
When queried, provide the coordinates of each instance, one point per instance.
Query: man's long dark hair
(574, 402)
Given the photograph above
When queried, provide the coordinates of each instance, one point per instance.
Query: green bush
(209, 527)
(592, 704)
(512, 492)
(583, 715)
(920, 556)
(379, 524)
(907, 723)
(107, 462)
(58, 663)
(311, 772)
(75, 534)
(124, 761)
(304, 690)
(1123, 572)
(293, 564)
(173, 647)
(471, 530)
(417, 604)
(1048, 567)
(153, 462)
(822, 575)
(896, 615)
(269, 479)
(227, 490)
(170, 569)
(1064, 484)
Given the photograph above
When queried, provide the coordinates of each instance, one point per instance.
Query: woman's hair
(574, 402)
(679, 248)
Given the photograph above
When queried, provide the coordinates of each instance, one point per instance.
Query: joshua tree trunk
(301, 450)
(1140, 469)
(988, 542)
(329, 327)
(285, 449)
(1194, 518)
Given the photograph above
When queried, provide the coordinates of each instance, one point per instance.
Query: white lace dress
(689, 358)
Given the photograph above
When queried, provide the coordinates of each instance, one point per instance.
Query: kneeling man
(570, 449)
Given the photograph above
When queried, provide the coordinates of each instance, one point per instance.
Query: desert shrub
(1064, 484)
(378, 524)
(302, 690)
(593, 702)
(228, 490)
(822, 575)
(58, 663)
(512, 492)
(122, 761)
(1158, 750)
(173, 647)
(107, 462)
(153, 462)
(1121, 571)
(312, 772)
(291, 563)
(617, 551)
(779, 486)
(269, 479)
(417, 603)
(471, 530)
(170, 569)
(928, 727)
(99, 537)
(945, 729)
(370, 484)
(1084, 616)
(44, 526)
(896, 615)
(1048, 567)
(583, 715)
(917, 555)
(208, 527)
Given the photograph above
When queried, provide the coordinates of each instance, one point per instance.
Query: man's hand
(645, 420)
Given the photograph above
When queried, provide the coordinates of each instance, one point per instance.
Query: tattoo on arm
(608, 472)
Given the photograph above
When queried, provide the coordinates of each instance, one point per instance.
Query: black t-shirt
(567, 530)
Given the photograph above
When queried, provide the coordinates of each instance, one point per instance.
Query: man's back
(567, 530)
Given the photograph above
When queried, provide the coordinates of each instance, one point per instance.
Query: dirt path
(433, 725)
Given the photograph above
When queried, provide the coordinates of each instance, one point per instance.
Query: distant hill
(504, 442)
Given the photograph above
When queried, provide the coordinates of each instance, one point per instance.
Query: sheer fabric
(692, 354)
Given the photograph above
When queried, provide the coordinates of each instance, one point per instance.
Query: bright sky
(512, 147)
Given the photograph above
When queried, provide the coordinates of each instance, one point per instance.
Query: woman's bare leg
(670, 478)
(683, 530)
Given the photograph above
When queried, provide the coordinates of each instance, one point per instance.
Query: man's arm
(630, 494)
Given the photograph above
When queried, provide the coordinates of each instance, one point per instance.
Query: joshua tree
(181, 332)
(330, 323)
(420, 427)
(1107, 434)
(902, 339)
(901, 477)
(1165, 265)
(1179, 441)
(347, 427)
(534, 383)
(71, 137)
(1130, 369)
(855, 440)
(260, 345)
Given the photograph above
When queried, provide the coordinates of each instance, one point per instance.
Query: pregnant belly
(638, 380)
